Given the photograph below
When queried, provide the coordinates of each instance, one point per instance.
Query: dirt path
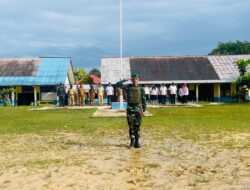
(74, 161)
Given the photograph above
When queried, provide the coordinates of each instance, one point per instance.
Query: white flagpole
(121, 37)
(121, 51)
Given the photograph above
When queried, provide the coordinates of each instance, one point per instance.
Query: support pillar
(197, 92)
(219, 92)
(13, 99)
(35, 96)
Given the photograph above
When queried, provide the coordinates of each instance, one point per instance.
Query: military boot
(132, 142)
(137, 144)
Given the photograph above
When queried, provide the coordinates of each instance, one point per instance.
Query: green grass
(188, 123)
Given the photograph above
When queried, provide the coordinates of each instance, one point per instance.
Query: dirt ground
(67, 160)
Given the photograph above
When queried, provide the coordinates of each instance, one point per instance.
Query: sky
(87, 30)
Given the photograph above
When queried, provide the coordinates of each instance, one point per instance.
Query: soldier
(61, 94)
(136, 106)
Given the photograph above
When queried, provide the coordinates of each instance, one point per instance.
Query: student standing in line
(147, 92)
(180, 95)
(185, 93)
(163, 91)
(110, 93)
(173, 90)
(153, 95)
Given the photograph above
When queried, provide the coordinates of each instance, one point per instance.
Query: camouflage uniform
(61, 94)
(136, 104)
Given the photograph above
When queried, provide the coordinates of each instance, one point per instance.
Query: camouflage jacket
(140, 98)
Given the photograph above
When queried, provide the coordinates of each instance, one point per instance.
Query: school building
(35, 79)
(209, 78)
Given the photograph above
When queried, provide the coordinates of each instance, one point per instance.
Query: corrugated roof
(173, 68)
(19, 67)
(190, 69)
(51, 71)
(225, 66)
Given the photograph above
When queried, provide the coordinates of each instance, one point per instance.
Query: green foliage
(242, 66)
(231, 48)
(95, 71)
(243, 81)
(81, 75)
(4, 92)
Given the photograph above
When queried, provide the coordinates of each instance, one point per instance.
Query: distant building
(210, 78)
(35, 79)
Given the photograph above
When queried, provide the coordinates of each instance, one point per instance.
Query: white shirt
(173, 89)
(146, 89)
(154, 91)
(180, 92)
(109, 90)
(163, 90)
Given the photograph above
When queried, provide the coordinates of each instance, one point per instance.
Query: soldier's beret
(134, 75)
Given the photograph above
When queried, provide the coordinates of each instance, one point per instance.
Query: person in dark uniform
(61, 94)
(136, 106)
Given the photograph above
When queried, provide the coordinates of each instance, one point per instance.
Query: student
(163, 92)
(109, 92)
(147, 92)
(154, 94)
(173, 90)
(180, 95)
(185, 93)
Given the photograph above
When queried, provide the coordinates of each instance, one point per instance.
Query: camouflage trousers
(134, 119)
(61, 100)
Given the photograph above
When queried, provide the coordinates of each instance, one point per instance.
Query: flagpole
(121, 52)
(121, 38)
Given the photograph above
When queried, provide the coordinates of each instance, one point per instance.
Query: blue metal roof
(52, 71)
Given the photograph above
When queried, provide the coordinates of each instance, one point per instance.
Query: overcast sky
(89, 29)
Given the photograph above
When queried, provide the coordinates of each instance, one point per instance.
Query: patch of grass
(188, 123)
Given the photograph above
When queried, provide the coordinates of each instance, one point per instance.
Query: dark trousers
(185, 99)
(147, 97)
(163, 99)
(172, 98)
(180, 99)
(109, 99)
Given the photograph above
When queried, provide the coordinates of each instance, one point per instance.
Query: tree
(4, 95)
(81, 75)
(243, 81)
(231, 48)
(96, 72)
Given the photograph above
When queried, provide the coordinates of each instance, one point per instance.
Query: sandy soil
(60, 160)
